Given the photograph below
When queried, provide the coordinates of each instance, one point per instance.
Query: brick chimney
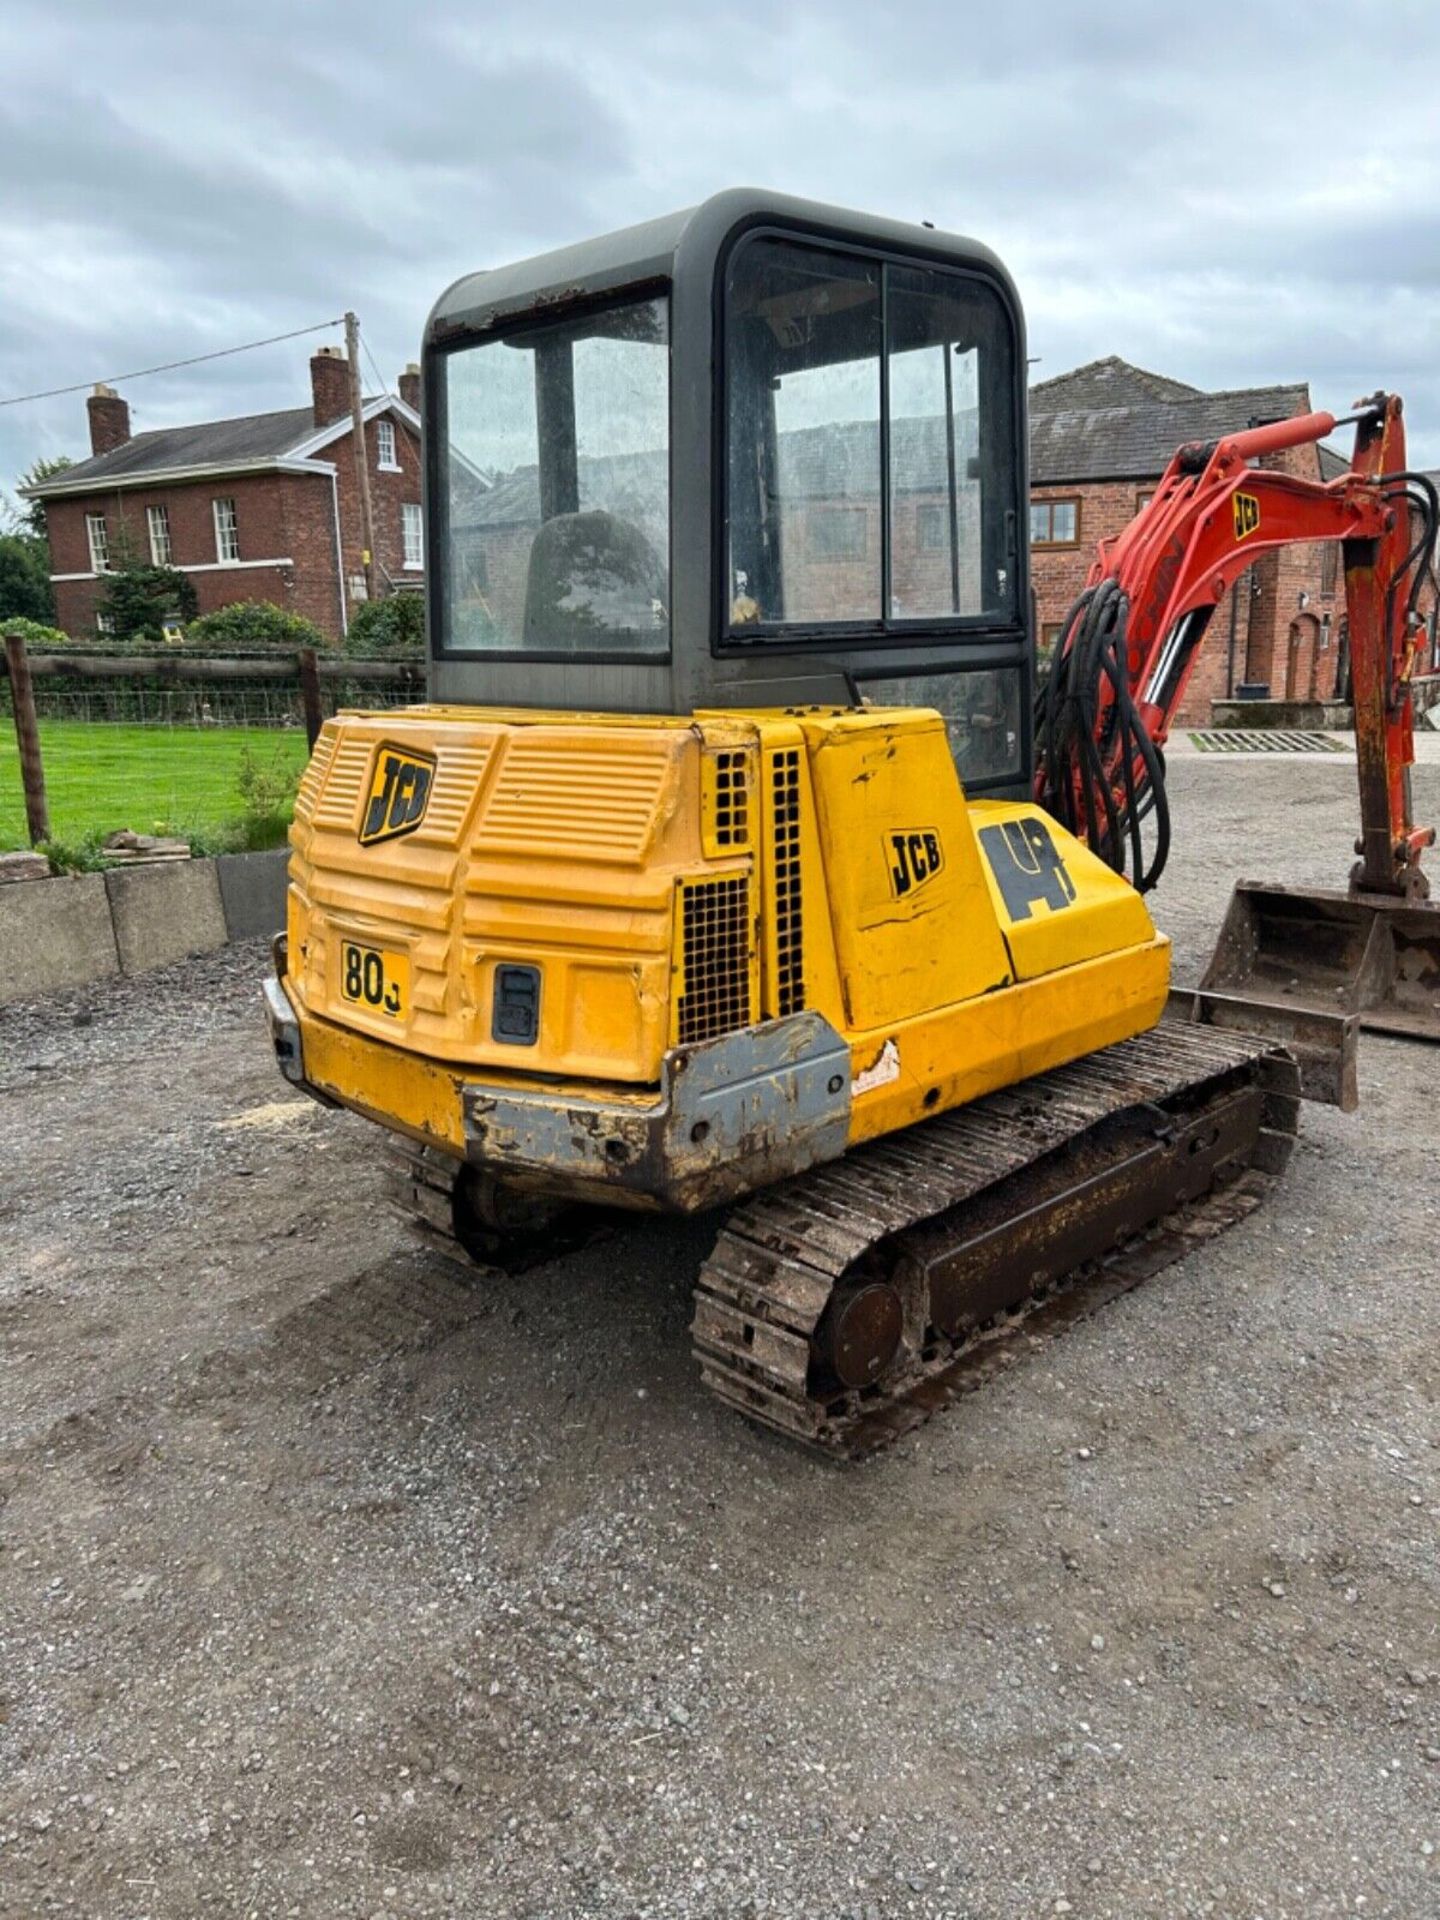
(109, 419)
(329, 385)
(410, 386)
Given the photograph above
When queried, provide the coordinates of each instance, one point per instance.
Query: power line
(141, 373)
(384, 383)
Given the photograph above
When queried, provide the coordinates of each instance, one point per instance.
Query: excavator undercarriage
(845, 1306)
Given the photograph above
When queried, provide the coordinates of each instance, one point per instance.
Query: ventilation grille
(313, 777)
(788, 937)
(727, 802)
(592, 797)
(715, 936)
(339, 803)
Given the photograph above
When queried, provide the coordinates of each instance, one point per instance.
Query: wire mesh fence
(202, 745)
(271, 704)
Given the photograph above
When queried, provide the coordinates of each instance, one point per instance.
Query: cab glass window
(804, 452)
(982, 714)
(554, 471)
(952, 464)
(871, 460)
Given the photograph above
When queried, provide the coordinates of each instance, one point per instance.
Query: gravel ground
(331, 1584)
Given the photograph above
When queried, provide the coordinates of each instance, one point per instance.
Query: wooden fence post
(27, 733)
(310, 694)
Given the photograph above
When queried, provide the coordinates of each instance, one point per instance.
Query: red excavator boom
(1127, 651)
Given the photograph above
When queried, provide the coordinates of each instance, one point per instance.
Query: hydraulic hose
(1098, 772)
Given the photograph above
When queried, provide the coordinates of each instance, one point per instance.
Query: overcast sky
(1233, 195)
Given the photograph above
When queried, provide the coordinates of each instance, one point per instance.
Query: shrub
(254, 626)
(394, 626)
(37, 637)
(267, 796)
(139, 601)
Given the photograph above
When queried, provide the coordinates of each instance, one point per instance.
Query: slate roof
(1133, 438)
(1111, 382)
(211, 443)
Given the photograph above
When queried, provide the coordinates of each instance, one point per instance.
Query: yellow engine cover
(542, 901)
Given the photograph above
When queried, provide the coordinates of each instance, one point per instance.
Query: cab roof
(678, 246)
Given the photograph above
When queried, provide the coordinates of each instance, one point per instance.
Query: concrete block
(55, 933)
(252, 892)
(165, 913)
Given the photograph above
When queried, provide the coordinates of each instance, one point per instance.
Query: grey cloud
(1231, 197)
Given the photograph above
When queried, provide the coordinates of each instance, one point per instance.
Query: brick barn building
(1100, 438)
(265, 507)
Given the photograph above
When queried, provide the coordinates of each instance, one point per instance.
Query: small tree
(139, 600)
(25, 578)
(29, 515)
(394, 626)
(254, 626)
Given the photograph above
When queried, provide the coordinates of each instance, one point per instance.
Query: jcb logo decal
(399, 790)
(1027, 867)
(1247, 515)
(915, 857)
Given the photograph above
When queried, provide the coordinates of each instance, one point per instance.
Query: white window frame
(412, 536)
(105, 625)
(99, 539)
(227, 531)
(386, 457)
(157, 523)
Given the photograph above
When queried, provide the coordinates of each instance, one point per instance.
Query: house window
(412, 534)
(1143, 499)
(227, 531)
(1054, 523)
(932, 529)
(105, 625)
(99, 542)
(157, 519)
(836, 533)
(385, 446)
(1329, 566)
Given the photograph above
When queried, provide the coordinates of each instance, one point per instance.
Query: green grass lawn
(179, 780)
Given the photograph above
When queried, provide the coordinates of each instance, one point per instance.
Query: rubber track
(779, 1255)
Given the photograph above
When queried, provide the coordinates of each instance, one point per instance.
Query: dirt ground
(331, 1584)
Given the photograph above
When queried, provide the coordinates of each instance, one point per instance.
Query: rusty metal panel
(731, 1115)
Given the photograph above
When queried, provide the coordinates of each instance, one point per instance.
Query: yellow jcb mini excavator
(712, 873)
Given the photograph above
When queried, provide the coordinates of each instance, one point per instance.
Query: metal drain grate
(1266, 740)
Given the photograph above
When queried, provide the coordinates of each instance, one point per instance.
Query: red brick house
(261, 508)
(1100, 438)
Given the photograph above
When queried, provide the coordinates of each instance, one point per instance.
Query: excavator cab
(761, 454)
(709, 869)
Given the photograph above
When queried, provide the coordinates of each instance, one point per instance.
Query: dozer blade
(1325, 1046)
(1295, 951)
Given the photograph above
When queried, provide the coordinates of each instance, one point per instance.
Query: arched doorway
(1302, 658)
